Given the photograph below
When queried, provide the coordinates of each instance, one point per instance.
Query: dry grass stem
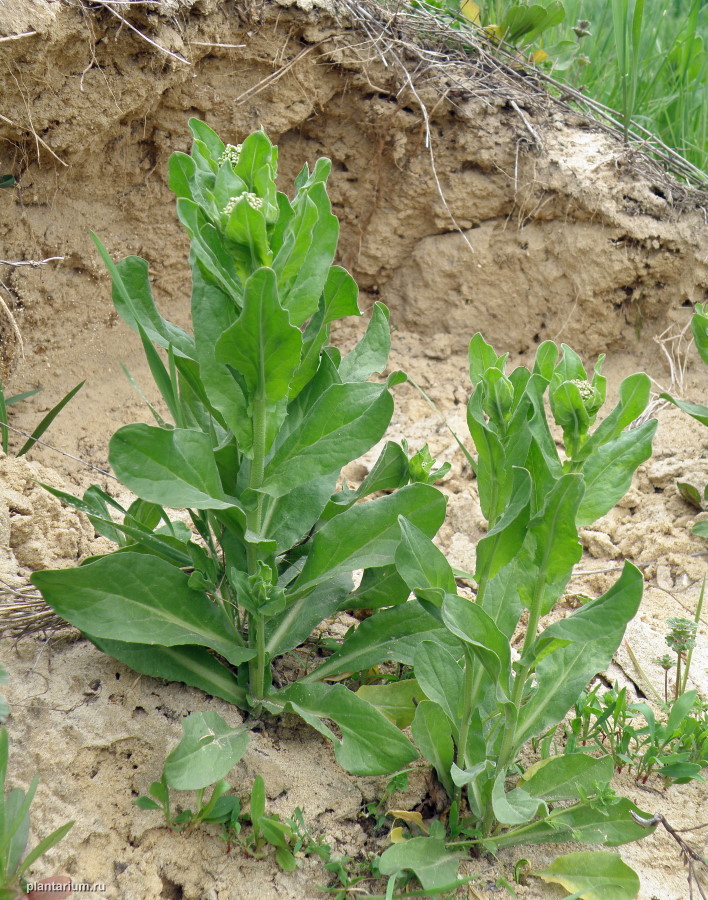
(35, 263)
(106, 5)
(17, 37)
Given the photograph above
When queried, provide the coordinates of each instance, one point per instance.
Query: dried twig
(36, 137)
(689, 856)
(35, 263)
(17, 37)
(24, 612)
(106, 5)
(274, 76)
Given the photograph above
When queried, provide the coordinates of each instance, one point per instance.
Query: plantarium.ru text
(264, 414)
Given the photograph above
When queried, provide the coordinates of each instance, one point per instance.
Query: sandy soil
(568, 242)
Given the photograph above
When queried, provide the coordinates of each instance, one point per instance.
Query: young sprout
(666, 663)
(682, 639)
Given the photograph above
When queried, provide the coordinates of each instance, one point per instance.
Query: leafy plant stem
(466, 715)
(256, 624)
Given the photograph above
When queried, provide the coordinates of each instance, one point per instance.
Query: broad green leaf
(605, 615)
(296, 244)
(192, 665)
(491, 464)
(262, 345)
(133, 300)
(695, 410)
(701, 529)
(396, 700)
(369, 743)
(302, 297)
(288, 519)
(208, 751)
(368, 534)
(213, 313)
(562, 675)
(174, 468)
(552, 548)
(699, 329)
(608, 472)
(380, 586)
(340, 295)
(211, 140)
(432, 733)
(568, 777)
(469, 622)
(379, 638)
(420, 563)
(503, 541)
(593, 875)
(181, 169)
(370, 355)
(515, 807)
(246, 228)
(569, 413)
(634, 394)
(136, 598)
(546, 359)
(481, 357)
(346, 421)
(296, 623)
(428, 858)
(441, 678)
(214, 262)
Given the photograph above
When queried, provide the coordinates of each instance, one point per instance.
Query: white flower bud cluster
(231, 154)
(586, 390)
(253, 201)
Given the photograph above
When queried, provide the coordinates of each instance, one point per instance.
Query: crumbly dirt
(562, 238)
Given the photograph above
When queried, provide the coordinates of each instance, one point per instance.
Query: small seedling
(14, 831)
(681, 639)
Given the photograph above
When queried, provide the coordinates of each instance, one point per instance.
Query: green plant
(477, 706)
(208, 751)
(264, 414)
(41, 427)
(14, 831)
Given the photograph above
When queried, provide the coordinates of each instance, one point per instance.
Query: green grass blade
(16, 398)
(50, 841)
(48, 419)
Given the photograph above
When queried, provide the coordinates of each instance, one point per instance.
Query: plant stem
(466, 715)
(256, 625)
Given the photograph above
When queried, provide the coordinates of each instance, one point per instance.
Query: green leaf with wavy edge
(429, 860)
(380, 638)
(594, 875)
(262, 344)
(172, 467)
(396, 700)
(608, 472)
(192, 665)
(209, 749)
(345, 422)
(370, 355)
(441, 678)
(138, 598)
(369, 743)
(420, 563)
(368, 534)
(433, 736)
(567, 777)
